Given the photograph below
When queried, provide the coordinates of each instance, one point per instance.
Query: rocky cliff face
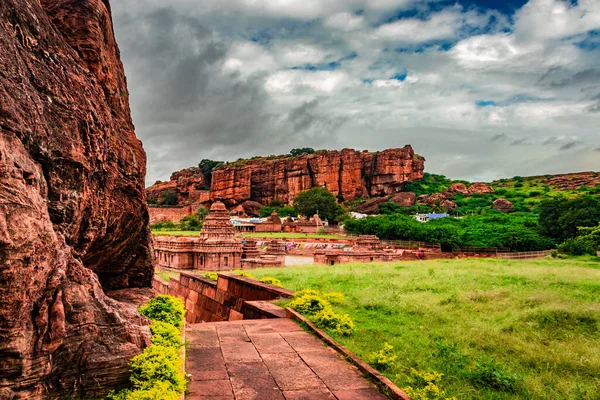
(190, 185)
(347, 173)
(73, 219)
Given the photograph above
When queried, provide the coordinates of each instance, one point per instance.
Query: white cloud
(440, 25)
(434, 108)
(321, 81)
(556, 19)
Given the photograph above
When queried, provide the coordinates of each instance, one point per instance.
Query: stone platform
(268, 359)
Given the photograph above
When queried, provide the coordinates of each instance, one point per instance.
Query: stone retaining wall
(231, 298)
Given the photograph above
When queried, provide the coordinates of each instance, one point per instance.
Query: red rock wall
(224, 300)
(349, 173)
(73, 219)
(175, 214)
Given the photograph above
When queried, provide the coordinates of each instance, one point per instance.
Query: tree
(168, 198)
(207, 167)
(319, 200)
(561, 218)
(299, 152)
(588, 242)
(202, 212)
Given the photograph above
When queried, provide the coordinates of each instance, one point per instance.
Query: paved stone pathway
(268, 359)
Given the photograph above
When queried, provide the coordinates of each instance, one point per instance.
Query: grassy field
(496, 329)
(262, 235)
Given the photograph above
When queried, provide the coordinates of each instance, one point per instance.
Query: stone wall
(231, 298)
(175, 213)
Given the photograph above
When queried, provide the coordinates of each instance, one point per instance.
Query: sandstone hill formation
(348, 174)
(73, 219)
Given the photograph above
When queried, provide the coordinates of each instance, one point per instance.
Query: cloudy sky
(482, 89)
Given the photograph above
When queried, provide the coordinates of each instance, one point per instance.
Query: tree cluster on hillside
(318, 200)
(299, 152)
(518, 232)
(207, 167)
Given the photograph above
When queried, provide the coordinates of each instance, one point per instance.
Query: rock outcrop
(73, 219)
(503, 205)
(480, 188)
(371, 206)
(404, 199)
(190, 185)
(348, 174)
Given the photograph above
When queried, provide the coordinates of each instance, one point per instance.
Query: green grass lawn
(496, 329)
(263, 235)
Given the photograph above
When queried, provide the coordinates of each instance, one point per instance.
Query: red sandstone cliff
(73, 219)
(349, 173)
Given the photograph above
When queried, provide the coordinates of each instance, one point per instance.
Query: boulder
(73, 218)
(449, 205)
(371, 206)
(404, 199)
(460, 188)
(503, 205)
(480, 188)
(252, 208)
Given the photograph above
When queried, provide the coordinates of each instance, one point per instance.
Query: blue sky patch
(327, 66)
(485, 103)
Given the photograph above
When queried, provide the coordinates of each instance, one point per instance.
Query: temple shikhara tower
(217, 248)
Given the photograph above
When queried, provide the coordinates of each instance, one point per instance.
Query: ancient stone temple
(217, 248)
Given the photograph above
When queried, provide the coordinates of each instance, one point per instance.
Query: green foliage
(158, 391)
(207, 167)
(425, 385)
(308, 304)
(286, 211)
(318, 309)
(328, 319)
(265, 211)
(488, 373)
(152, 200)
(336, 298)
(588, 242)
(168, 198)
(299, 152)
(321, 200)
(190, 223)
(201, 212)
(165, 335)
(157, 364)
(165, 308)
(384, 358)
(271, 281)
(321, 232)
(430, 184)
(164, 226)
(213, 276)
(561, 218)
(493, 229)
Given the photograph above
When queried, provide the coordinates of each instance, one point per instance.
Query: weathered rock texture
(73, 219)
(503, 205)
(190, 185)
(348, 173)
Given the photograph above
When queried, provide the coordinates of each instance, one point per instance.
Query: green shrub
(334, 297)
(425, 386)
(384, 358)
(304, 292)
(159, 391)
(328, 319)
(157, 364)
(271, 281)
(165, 335)
(487, 373)
(308, 304)
(165, 308)
(213, 276)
